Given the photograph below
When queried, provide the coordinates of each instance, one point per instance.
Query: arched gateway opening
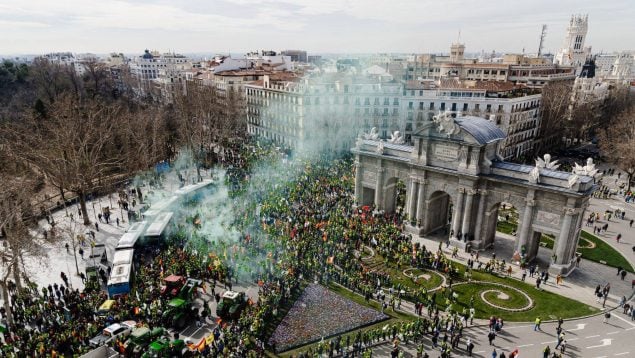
(395, 196)
(439, 214)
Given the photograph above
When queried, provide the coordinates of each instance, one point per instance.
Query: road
(588, 337)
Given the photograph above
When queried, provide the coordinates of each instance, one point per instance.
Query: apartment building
(514, 108)
(326, 111)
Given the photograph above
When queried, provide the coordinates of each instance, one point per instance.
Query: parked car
(111, 332)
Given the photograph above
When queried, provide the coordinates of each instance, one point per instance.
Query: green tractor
(139, 339)
(165, 348)
(180, 310)
(231, 305)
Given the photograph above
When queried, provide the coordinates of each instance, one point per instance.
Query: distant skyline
(317, 26)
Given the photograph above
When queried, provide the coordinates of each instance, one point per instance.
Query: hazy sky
(335, 26)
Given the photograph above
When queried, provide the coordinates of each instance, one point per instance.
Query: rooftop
(483, 130)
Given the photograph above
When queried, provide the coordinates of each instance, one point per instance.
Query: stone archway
(439, 213)
(453, 164)
(368, 196)
(502, 217)
(394, 195)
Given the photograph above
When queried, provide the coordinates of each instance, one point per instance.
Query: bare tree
(75, 148)
(17, 222)
(556, 98)
(207, 118)
(617, 144)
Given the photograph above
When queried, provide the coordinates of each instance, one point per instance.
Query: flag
(329, 260)
(209, 339)
(201, 345)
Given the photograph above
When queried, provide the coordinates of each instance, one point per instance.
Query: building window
(410, 105)
(395, 102)
(443, 106)
(431, 106)
(464, 107)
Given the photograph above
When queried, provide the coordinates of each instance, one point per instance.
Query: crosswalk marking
(615, 332)
(597, 335)
(623, 320)
(621, 354)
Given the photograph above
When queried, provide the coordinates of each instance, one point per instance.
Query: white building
(573, 52)
(327, 111)
(153, 65)
(615, 66)
(513, 108)
(335, 108)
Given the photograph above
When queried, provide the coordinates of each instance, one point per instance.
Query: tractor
(141, 338)
(172, 285)
(165, 348)
(180, 310)
(231, 305)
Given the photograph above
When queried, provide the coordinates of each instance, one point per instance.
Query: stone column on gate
(358, 182)
(482, 198)
(422, 196)
(412, 200)
(467, 218)
(563, 244)
(523, 233)
(379, 189)
(458, 212)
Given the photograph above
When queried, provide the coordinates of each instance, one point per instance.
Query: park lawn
(395, 317)
(547, 305)
(603, 252)
(397, 276)
(506, 227)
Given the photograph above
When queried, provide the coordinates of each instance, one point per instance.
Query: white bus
(130, 238)
(159, 228)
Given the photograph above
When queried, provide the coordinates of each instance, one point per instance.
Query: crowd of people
(297, 221)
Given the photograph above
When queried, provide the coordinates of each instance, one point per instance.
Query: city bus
(120, 280)
(192, 192)
(121, 273)
(156, 208)
(159, 229)
(130, 238)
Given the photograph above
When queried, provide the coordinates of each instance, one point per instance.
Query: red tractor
(172, 285)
